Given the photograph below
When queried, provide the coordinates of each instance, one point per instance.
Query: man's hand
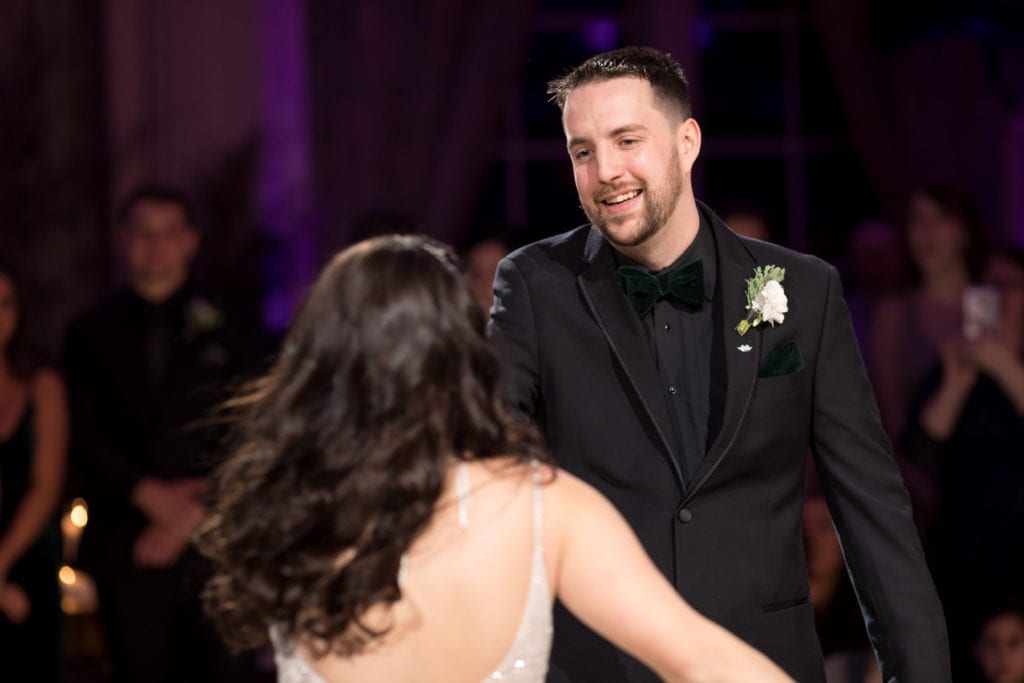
(172, 504)
(14, 603)
(158, 547)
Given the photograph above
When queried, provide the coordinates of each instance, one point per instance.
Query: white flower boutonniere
(201, 317)
(766, 299)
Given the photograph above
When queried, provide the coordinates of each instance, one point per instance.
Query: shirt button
(667, 327)
(672, 390)
(684, 516)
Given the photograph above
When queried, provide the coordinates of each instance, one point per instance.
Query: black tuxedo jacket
(730, 538)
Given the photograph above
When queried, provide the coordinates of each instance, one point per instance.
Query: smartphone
(981, 311)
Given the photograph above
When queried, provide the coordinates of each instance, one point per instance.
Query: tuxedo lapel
(735, 265)
(624, 331)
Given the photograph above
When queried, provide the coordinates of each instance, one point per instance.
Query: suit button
(684, 516)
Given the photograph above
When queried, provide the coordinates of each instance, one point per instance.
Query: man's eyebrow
(621, 130)
(628, 128)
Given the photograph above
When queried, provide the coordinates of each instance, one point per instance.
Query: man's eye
(581, 154)
(630, 141)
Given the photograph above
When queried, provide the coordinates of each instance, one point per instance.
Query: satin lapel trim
(735, 265)
(626, 337)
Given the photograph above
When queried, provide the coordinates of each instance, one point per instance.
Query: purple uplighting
(703, 33)
(285, 175)
(601, 34)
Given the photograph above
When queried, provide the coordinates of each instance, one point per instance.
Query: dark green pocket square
(784, 360)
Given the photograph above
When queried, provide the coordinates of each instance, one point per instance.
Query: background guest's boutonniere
(766, 299)
(201, 317)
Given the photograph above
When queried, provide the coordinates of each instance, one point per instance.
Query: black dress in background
(976, 547)
(29, 651)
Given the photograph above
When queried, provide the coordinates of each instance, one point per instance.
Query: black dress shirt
(680, 340)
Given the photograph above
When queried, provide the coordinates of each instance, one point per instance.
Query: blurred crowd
(939, 310)
(128, 420)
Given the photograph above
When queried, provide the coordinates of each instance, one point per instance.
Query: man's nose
(609, 166)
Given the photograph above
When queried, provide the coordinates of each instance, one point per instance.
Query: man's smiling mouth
(621, 197)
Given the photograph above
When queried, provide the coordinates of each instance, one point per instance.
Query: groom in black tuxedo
(621, 342)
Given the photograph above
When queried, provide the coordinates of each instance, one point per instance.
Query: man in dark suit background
(699, 434)
(145, 367)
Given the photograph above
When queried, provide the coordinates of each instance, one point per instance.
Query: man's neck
(157, 291)
(669, 243)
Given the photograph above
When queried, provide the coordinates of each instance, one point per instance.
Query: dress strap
(538, 511)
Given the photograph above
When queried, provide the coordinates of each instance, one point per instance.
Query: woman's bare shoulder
(565, 495)
(512, 470)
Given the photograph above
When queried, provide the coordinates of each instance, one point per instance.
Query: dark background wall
(291, 119)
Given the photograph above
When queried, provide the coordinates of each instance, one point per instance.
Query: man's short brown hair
(657, 68)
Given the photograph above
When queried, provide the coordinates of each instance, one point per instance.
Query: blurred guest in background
(844, 641)
(744, 218)
(970, 425)
(482, 259)
(874, 270)
(999, 647)
(947, 249)
(33, 448)
(144, 368)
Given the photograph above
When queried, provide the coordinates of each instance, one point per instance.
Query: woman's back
(471, 583)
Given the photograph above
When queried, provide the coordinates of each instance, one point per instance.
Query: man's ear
(688, 138)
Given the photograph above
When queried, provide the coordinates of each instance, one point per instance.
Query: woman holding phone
(947, 248)
(969, 427)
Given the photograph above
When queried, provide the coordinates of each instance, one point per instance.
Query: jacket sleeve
(514, 333)
(871, 509)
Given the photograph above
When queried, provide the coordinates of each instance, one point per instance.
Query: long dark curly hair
(342, 448)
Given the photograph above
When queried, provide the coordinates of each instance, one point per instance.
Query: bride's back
(465, 584)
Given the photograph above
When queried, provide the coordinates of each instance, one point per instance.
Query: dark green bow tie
(684, 284)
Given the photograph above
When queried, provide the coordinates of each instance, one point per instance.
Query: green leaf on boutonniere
(766, 299)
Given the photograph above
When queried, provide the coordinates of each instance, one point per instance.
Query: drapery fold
(407, 100)
(928, 108)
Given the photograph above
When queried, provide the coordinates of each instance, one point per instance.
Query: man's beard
(658, 207)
